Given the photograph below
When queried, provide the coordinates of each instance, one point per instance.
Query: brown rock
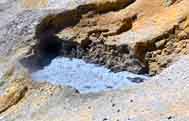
(13, 95)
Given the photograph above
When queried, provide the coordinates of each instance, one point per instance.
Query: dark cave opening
(115, 58)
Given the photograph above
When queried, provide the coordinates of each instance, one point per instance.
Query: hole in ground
(85, 77)
(65, 62)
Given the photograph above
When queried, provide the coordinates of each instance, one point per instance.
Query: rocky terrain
(148, 37)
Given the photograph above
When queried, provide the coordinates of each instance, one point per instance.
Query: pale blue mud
(83, 76)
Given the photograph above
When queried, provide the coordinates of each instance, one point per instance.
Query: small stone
(105, 119)
(113, 105)
(158, 52)
(160, 44)
(131, 101)
(169, 118)
(118, 110)
(89, 107)
(136, 79)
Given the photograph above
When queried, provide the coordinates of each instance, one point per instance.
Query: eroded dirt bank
(121, 38)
